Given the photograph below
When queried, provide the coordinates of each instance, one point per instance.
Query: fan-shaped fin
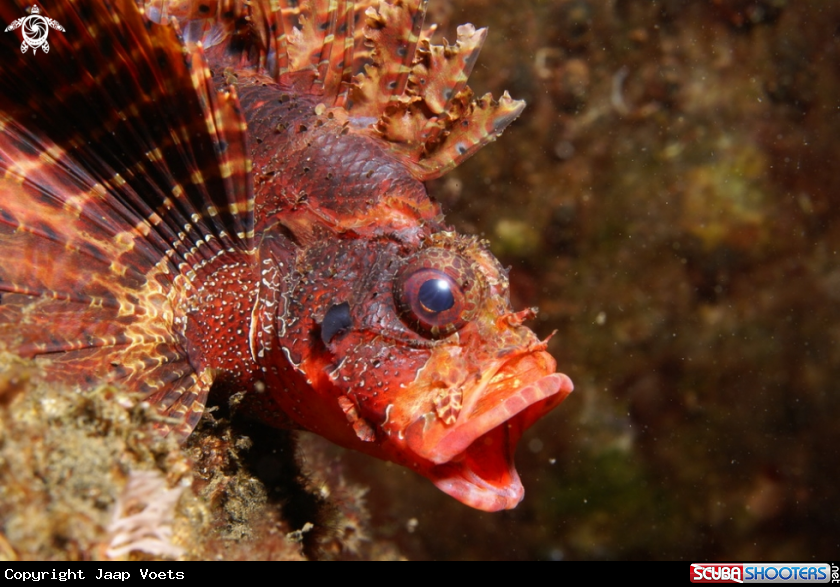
(123, 171)
(180, 397)
(373, 58)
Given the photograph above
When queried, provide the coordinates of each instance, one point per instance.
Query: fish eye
(434, 293)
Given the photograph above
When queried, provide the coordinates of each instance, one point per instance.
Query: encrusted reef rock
(84, 476)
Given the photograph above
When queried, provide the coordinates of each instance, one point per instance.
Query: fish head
(415, 356)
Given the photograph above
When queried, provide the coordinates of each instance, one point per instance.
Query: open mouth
(474, 456)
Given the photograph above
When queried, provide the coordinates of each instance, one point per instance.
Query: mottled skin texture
(273, 236)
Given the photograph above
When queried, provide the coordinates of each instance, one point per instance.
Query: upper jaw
(473, 457)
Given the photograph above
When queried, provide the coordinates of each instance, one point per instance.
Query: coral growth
(143, 517)
(84, 476)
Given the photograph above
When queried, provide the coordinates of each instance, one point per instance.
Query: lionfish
(230, 193)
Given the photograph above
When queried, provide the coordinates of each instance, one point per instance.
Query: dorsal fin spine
(388, 72)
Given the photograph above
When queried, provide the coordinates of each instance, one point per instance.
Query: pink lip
(474, 457)
(457, 439)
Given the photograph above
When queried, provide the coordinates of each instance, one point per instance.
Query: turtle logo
(35, 30)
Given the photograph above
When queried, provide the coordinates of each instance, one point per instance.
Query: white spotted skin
(217, 320)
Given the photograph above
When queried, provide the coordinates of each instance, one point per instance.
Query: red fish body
(230, 194)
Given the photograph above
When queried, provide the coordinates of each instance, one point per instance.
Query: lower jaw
(466, 486)
(483, 475)
(473, 496)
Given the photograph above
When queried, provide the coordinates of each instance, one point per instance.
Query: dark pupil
(435, 295)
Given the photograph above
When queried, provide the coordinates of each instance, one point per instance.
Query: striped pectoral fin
(86, 342)
(79, 269)
(75, 347)
(33, 326)
(179, 400)
(127, 105)
(123, 171)
(226, 180)
(61, 239)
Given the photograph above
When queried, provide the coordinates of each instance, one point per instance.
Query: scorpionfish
(230, 193)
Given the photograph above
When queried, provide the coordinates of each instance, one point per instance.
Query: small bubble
(564, 150)
(535, 445)
(411, 525)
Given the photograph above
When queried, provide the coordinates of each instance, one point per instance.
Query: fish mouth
(473, 458)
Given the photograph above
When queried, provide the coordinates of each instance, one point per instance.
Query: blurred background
(669, 200)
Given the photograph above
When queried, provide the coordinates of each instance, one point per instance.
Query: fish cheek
(377, 374)
(365, 348)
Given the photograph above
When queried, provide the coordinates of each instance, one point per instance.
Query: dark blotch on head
(335, 321)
